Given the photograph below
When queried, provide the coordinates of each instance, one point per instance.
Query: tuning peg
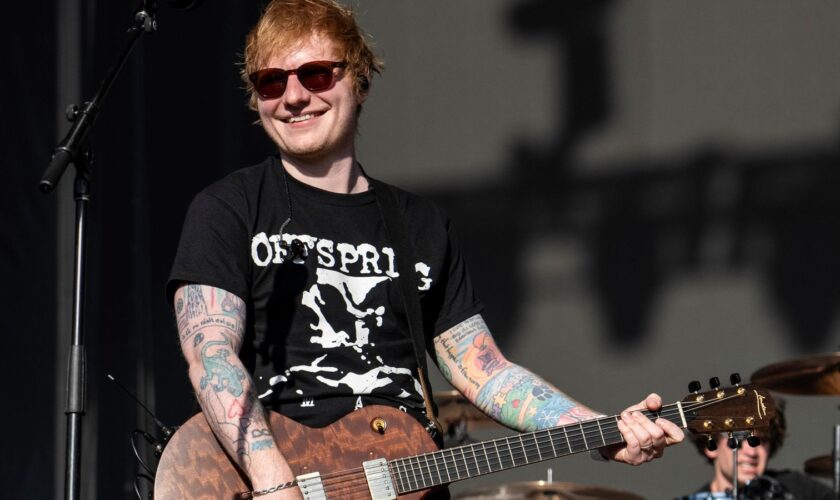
(711, 444)
(754, 441)
(732, 443)
(694, 386)
(735, 378)
(714, 382)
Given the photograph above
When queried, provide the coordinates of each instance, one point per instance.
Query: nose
(295, 95)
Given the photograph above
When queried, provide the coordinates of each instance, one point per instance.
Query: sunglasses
(315, 76)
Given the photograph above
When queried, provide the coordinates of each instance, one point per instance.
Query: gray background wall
(640, 185)
(645, 192)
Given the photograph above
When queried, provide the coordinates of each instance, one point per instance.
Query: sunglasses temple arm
(73, 145)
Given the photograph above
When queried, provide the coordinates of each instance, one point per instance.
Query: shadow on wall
(713, 209)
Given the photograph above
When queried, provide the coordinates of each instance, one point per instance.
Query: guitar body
(195, 467)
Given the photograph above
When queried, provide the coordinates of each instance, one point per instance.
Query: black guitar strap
(395, 226)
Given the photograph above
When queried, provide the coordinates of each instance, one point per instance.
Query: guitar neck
(477, 459)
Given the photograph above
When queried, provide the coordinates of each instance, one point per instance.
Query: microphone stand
(734, 443)
(835, 461)
(75, 149)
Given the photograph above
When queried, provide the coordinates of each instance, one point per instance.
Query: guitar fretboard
(463, 462)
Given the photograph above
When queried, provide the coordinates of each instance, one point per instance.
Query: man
(755, 480)
(285, 284)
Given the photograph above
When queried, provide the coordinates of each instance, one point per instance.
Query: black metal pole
(835, 461)
(76, 373)
(74, 148)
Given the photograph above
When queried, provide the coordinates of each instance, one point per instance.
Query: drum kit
(814, 375)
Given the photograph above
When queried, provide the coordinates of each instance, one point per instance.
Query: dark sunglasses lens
(270, 83)
(315, 76)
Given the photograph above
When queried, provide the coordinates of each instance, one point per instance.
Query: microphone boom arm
(84, 118)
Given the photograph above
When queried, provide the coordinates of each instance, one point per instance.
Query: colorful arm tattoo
(211, 325)
(470, 359)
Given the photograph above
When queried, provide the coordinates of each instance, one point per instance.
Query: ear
(711, 455)
(363, 86)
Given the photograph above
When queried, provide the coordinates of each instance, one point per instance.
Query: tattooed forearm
(211, 325)
(520, 399)
(510, 394)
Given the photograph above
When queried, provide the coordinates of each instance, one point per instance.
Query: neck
(720, 484)
(339, 175)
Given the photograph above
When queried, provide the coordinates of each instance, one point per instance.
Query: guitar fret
(539, 453)
(440, 478)
(466, 467)
(486, 458)
(393, 469)
(583, 434)
(568, 442)
(498, 455)
(423, 474)
(407, 477)
(512, 460)
(477, 467)
(455, 463)
(524, 452)
(399, 474)
(445, 467)
(551, 440)
(426, 458)
(598, 421)
(413, 473)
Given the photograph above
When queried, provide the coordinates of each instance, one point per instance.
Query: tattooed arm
(510, 394)
(211, 325)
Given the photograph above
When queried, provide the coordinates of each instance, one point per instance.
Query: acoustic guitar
(379, 452)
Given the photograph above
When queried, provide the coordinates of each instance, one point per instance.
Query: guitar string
(604, 426)
(537, 443)
(527, 450)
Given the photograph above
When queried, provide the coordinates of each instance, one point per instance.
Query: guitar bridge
(379, 479)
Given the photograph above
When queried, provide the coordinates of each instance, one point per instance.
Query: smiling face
(752, 462)
(312, 126)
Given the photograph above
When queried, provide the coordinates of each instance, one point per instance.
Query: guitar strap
(395, 227)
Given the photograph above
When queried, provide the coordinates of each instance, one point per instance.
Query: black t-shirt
(773, 485)
(325, 334)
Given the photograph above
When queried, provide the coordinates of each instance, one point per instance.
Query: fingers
(653, 403)
(645, 439)
(673, 433)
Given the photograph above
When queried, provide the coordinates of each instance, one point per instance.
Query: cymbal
(454, 408)
(820, 466)
(543, 489)
(813, 375)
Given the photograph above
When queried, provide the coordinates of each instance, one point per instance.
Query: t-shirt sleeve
(459, 300)
(213, 249)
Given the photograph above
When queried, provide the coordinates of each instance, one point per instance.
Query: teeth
(301, 118)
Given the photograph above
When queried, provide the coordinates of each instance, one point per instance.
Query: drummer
(756, 479)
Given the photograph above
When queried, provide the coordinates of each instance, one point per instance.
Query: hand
(644, 439)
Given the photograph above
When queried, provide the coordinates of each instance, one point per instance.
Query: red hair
(285, 23)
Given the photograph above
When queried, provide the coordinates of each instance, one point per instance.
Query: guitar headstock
(733, 409)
